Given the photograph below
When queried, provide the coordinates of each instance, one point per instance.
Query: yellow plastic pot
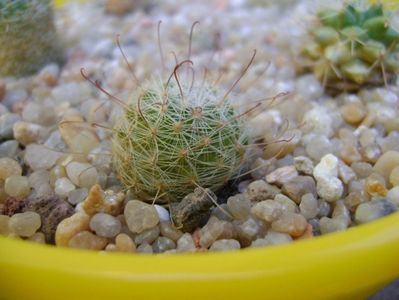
(346, 265)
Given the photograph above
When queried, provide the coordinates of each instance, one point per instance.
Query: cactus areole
(176, 136)
(352, 48)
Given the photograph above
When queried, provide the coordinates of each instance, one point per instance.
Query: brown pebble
(2, 89)
(119, 7)
(194, 210)
(13, 206)
(52, 211)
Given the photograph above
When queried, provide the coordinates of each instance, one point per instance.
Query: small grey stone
(303, 165)
(282, 175)
(8, 148)
(299, 186)
(259, 190)
(162, 244)
(369, 211)
(7, 122)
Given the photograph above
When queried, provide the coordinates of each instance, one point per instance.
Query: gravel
(321, 164)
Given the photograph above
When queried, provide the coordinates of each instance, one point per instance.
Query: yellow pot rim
(327, 261)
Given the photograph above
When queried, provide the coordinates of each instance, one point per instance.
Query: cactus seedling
(352, 48)
(176, 136)
(27, 36)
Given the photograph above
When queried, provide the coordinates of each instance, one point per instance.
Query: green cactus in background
(27, 36)
(353, 48)
(175, 137)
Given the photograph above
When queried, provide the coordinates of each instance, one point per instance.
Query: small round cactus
(176, 136)
(351, 48)
(27, 36)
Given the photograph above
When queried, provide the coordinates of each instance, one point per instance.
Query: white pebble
(78, 195)
(163, 213)
(329, 188)
(268, 210)
(225, 245)
(318, 120)
(277, 238)
(40, 157)
(82, 174)
(63, 186)
(328, 166)
(185, 243)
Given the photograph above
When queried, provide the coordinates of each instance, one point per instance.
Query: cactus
(176, 136)
(27, 36)
(352, 48)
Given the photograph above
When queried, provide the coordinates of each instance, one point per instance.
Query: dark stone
(52, 211)
(13, 206)
(194, 210)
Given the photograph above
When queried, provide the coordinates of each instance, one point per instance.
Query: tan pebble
(354, 199)
(25, 224)
(394, 176)
(353, 113)
(386, 163)
(140, 216)
(87, 240)
(293, 224)
(38, 237)
(100, 201)
(9, 167)
(119, 7)
(124, 243)
(369, 120)
(375, 185)
(4, 228)
(69, 227)
(17, 186)
(307, 234)
(350, 154)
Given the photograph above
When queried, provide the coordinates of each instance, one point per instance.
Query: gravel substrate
(320, 164)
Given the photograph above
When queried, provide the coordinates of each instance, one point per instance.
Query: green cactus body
(353, 48)
(169, 141)
(27, 36)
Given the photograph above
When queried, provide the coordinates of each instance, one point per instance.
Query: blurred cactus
(27, 36)
(352, 48)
